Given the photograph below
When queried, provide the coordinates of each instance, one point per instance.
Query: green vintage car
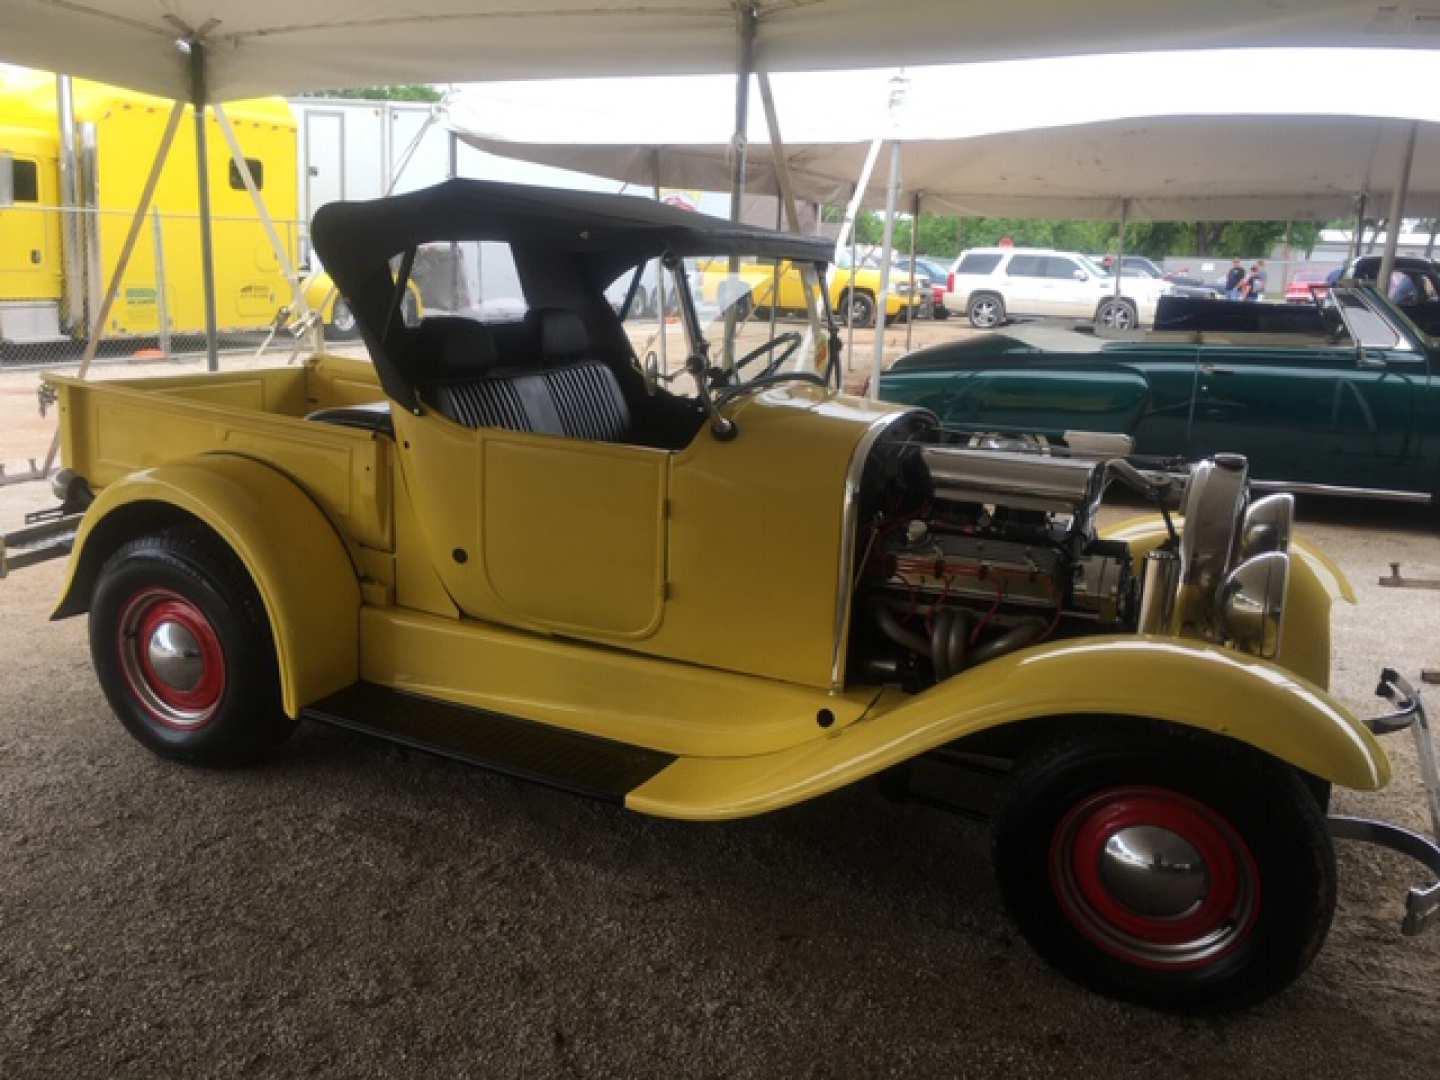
(1340, 397)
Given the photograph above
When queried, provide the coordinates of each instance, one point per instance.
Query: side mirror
(7, 180)
(1080, 275)
(1374, 360)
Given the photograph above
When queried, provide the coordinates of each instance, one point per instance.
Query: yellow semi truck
(58, 249)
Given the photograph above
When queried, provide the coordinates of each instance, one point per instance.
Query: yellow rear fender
(294, 556)
(1189, 684)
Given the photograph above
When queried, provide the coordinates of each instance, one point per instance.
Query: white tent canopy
(277, 46)
(1178, 168)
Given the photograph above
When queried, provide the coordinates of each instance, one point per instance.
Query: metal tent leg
(1397, 211)
(137, 222)
(202, 187)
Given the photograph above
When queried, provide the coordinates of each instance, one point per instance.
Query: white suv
(992, 284)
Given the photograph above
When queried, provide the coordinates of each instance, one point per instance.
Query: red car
(1305, 286)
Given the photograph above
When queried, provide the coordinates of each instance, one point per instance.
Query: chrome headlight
(1267, 525)
(1250, 603)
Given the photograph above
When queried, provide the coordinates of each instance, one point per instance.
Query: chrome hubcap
(1154, 877)
(171, 659)
(1154, 872)
(175, 657)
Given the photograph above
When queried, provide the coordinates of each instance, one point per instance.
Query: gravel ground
(352, 910)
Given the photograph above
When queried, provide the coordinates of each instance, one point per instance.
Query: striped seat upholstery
(568, 393)
(488, 402)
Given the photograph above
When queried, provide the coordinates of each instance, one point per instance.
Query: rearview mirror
(7, 180)
(651, 372)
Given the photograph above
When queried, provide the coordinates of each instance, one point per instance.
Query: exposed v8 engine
(968, 552)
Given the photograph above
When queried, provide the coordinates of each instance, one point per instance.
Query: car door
(1379, 397)
(1270, 398)
(1068, 288)
(1025, 285)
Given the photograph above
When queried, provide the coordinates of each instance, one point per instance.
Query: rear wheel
(986, 311)
(183, 650)
(1177, 871)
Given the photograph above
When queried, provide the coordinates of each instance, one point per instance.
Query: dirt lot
(352, 910)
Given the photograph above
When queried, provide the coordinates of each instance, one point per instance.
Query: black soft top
(568, 247)
(583, 222)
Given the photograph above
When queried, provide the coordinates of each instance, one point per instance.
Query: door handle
(1211, 369)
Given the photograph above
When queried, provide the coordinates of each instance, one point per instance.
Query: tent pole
(281, 255)
(914, 274)
(887, 248)
(137, 221)
(1398, 196)
(744, 65)
(453, 172)
(852, 211)
(1359, 226)
(1120, 258)
(1430, 244)
(849, 306)
(660, 288)
(202, 182)
(786, 192)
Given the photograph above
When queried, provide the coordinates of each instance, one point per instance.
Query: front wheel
(857, 309)
(182, 647)
(1174, 870)
(1116, 315)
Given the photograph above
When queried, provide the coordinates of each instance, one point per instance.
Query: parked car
(713, 593)
(993, 285)
(934, 276)
(1181, 284)
(1340, 397)
(1414, 286)
(1304, 286)
(853, 294)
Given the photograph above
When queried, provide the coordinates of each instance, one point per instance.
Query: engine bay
(973, 549)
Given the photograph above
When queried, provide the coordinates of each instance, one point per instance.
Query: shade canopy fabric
(1169, 168)
(276, 46)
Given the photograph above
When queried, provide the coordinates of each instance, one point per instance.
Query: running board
(567, 760)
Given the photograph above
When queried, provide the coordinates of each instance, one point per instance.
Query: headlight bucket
(1250, 603)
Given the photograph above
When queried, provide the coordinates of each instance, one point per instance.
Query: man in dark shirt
(1233, 280)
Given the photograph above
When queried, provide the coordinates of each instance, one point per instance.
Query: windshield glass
(763, 309)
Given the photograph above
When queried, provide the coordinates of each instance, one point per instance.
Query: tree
(399, 92)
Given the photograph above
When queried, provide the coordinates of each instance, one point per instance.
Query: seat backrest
(568, 392)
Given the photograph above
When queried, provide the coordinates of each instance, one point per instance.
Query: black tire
(857, 308)
(227, 711)
(1258, 911)
(940, 314)
(342, 325)
(1117, 315)
(985, 311)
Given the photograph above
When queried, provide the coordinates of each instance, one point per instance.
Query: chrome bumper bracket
(1422, 904)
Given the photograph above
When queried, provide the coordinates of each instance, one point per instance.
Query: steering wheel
(791, 339)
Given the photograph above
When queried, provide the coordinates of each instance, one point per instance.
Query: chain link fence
(56, 266)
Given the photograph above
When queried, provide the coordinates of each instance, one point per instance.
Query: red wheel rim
(1154, 877)
(171, 658)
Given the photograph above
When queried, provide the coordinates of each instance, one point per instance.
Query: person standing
(1255, 283)
(1233, 279)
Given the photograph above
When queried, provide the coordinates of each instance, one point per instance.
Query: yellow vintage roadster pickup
(721, 590)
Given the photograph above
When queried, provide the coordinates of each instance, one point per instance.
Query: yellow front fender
(293, 554)
(1315, 582)
(1191, 684)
